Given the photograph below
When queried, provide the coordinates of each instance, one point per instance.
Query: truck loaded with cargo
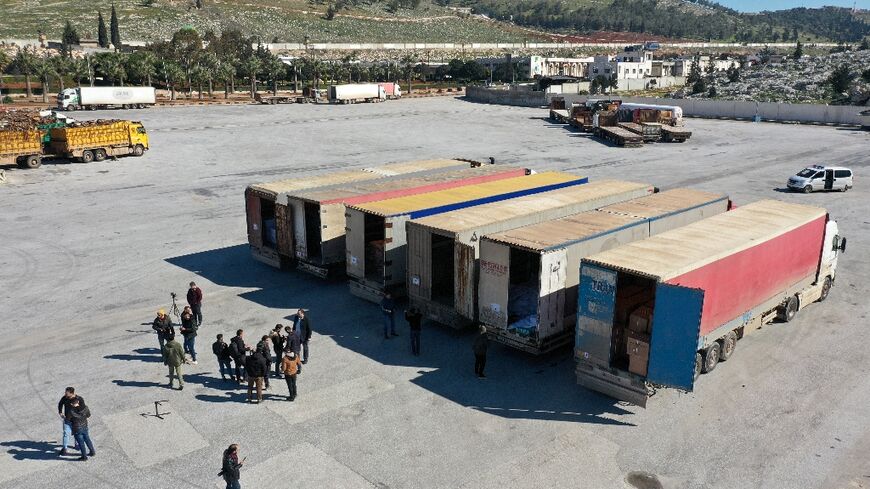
(528, 292)
(376, 239)
(443, 250)
(658, 312)
(96, 140)
(356, 92)
(106, 97)
(318, 214)
(269, 221)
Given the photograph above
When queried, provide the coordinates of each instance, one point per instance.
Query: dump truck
(443, 250)
(658, 312)
(269, 221)
(527, 288)
(377, 254)
(318, 224)
(96, 140)
(106, 97)
(356, 92)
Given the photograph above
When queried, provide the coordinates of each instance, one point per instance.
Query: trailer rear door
(675, 330)
(255, 233)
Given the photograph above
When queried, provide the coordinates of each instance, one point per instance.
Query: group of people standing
(173, 353)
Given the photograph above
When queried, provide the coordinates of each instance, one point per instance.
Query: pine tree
(115, 29)
(102, 34)
(798, 51)
(70, 37)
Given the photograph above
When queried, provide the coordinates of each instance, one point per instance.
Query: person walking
(163, 326)
(174, 354)
(293, 343)
(256, 368)
(290, 365)
(303, 329)
(222, 351)
(263, 348)
(63, 408)
(479, 347)
(194, 298)
(77, 416)
(415, 321)
(188, 331)
(278, 340)
(387, 307)
(237, 351)
(230, 467)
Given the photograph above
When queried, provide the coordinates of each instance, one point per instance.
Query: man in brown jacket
(174, 355)
(290, 366)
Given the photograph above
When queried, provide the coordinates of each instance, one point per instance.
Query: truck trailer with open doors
(268, 220)
(376, 239)
(528, 293)
(317, 214)
(660, 311)
(443, 250)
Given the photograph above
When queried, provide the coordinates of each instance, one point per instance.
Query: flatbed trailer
(619, 136)
(649, 132)
(279, 99)
(671, 134)
(559, 115)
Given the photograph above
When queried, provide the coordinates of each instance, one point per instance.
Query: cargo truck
(443, 250)
(106, 97)
(22, 147)
(96, 140)
(356, 92)
(269, 222)
(658, 312)
(318, 214)
(376, 240)
(528, 284)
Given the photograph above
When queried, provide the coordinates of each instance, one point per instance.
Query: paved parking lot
(90, 252)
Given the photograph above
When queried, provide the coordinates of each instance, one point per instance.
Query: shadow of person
(31, 450)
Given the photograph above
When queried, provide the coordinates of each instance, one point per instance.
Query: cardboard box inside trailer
(443, 278)
(379, 227)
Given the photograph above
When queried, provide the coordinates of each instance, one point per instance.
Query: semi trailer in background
(443, 249)
(356, 92)
(528, 275)
(106, 97)
(376, 239)
(658, 312)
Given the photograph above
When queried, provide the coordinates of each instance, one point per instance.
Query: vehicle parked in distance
(356, 92)
(818, 177)
(105, 97)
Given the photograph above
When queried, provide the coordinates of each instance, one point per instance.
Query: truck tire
(789, 310)
(826, 288)
(808, 189)
(698, 364)
(138, 150)
(87, 156)
(99, 154)
(727, 345)
(32, 161)
(711, 357)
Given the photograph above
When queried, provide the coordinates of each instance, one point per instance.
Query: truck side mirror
(842, 245)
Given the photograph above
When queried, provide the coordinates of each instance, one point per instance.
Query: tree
(251, 68)
(699, 86)
(694, 73)
(172, 75)
(226, 72)
(865, 45)
(43, 68)
(798, 51)
(275, 70)
(112, 65)
(102, 34)
(141, 65)
(24, 63)
(115, 29)
(594, 85)
(199, 75)
(408, 63)
(840, 79)
(865, 75)
(733, 73)
(70, 38)
(62, 68)
(209, 63)
(712, 93)
(710, 71)
(79, 69)
(330, 12)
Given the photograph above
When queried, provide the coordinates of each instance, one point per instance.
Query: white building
(540, 66)
(683, 64)
(634, 62)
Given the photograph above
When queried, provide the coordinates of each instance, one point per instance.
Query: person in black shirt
(222, 351)
(230, 467)
(415, 320)
(63, 407)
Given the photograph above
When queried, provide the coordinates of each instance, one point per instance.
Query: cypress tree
(102, 34)
(116, 32)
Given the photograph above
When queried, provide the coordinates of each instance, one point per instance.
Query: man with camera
(165, 331)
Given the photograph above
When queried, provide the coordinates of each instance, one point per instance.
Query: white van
(819, 177)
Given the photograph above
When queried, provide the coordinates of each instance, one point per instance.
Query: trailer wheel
(32, 161)
(698, 364)
(87, 156)
(99, 154)
(808, 189)
(788, 311)
(138, 150)
(727, 345)
(711, 357)
(826, 288)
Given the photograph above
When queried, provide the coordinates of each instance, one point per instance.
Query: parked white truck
(105, 97)
(356, 92)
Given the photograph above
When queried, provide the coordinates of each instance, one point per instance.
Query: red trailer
(392, 90)
(660, 311)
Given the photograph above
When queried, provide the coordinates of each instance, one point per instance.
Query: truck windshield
(806, 173)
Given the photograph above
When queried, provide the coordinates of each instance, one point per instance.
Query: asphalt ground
(91, 251)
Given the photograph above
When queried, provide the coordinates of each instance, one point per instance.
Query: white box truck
(104, 97)
(356, 92)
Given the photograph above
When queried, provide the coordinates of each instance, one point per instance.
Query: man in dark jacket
(237, 351)
(174, 355)
(188, 331)
(293, 343)
(230, 467)
(278, 340)
(194, 298)
(222, 351)
(303, 328)
(387, 308)
(415, 320)
(165, 331)
(263, 348)
(479, 347)
(256, 368)
(77, 416)
(63, 407)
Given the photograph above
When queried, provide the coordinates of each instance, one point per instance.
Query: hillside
(434, 20)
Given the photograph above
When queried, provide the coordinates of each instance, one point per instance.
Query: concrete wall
(506, 97)
(474, 46)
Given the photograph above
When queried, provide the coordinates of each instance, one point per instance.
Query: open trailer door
(674, 342)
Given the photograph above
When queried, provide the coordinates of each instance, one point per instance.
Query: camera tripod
(173, 310)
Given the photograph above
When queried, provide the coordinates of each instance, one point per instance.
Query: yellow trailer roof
(411, 203)
(475, 217)
(681, 250)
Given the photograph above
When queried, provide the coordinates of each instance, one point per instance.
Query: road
(91, 251)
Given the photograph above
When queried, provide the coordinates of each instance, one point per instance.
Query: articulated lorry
(106, 97)
(528, 275)
(659, 312)
(356, 92)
